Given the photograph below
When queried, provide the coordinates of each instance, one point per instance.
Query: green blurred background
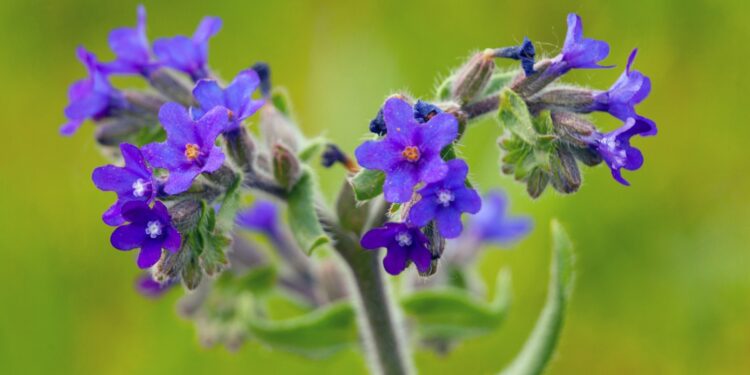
(663, 272)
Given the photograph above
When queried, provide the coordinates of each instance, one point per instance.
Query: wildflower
(333, 154)
(410, 152)
(630, 89)
(404, 244)
(492, 223)
(424, 111)
(132, 182)
(92, 97)
(614, 147)
(190, 146)
(578, 52)
(188, 55)
(131, 47)
(150, 229)
(444, 201)
(261, 217)
(236, 97)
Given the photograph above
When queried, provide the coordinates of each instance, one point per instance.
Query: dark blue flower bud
(424, 111)
(264, 73)
(377, 125)
(525, 52)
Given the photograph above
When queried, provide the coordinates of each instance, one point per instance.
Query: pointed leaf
(317, 334)
(540, 345)
(514, 116)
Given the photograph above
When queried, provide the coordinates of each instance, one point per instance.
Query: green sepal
(452, 313)
(280, 99)
(312, 149)
(540, 345)
(444, 90)
(352, 215)
(498, 81)
(367, 184)
(317, 334)
(302, 216)
(514, 116)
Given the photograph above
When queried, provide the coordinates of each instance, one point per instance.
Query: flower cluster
(410, 155)
(156, 175)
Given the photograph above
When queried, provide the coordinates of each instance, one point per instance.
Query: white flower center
(445, 197)
(404, 239)
(153, 229)
(139, 188)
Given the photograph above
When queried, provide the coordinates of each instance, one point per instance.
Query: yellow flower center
(411, 153)
(192, 151)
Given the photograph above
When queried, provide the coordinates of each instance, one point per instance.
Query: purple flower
(424, 111)
(131, 47)
(492, 225)
(578, 52)
(404, 244)
(150, 229)
(410, 152)
(261, 217)
(630, 89)
(190, 146)
(236, 97)
(614, 147)
(92, 97)
(188, 55)
(148, 287)
(525, 52)
(444, 201)
(132, 182)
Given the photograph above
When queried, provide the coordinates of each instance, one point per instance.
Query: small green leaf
(498, 81)
(367, 184)
(454, 313)
(302, 216)
(540, 345)
(311, 149)
(229, 206)
(280, 100)
(514, 116)
(317, 334)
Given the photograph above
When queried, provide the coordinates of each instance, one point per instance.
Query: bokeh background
(663, 272)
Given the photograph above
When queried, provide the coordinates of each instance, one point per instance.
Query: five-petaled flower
(132, 182)
(150, 229)
(410, 152)
(578, 52)
(92, 97)
(444, 201)
(190, 146)
(188, 55)
(131, 48)
(492, 223)
(614, 147)
(404, 244)
(620, 100)
(236, 97)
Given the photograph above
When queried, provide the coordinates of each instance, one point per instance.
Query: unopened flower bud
(286, 166)
(241, 148)
(185, 215)
(528, 85)
(566, 178)
(537, 182)
(473, 76)
(143, 104)
(333, 155)
(277, 128)
(524, 52)
(264, 73)
(112, 131)
(572, 128)
(437, 246)
(171, 86)
(587, 155)
(568, 99)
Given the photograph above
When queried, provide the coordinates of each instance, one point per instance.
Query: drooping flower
(492, 223)
(132, 182)
(262, 217)
(404, 244)
(188, 55)
(444, 201)
(131, 48)
(150, 229)
(92, 97)
(236, 97)
(410, 152)
(190, 146)
(333, 154)
(630, 89)
(614, 147)
(578, 52)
